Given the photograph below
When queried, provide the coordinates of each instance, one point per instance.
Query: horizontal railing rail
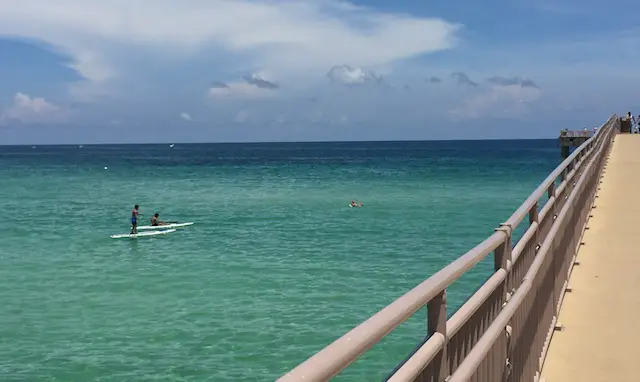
(493, 336)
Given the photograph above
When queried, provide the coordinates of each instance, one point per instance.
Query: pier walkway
(562, 300)
(596, 342)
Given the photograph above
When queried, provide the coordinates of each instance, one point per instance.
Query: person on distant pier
(632, 123)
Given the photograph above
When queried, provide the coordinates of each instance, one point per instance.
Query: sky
(145, 71)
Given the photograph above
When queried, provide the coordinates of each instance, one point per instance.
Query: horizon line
(277, 142)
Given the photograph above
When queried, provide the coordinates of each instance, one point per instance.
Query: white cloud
(282, 37)
(252, 86)
(239, 90)
(242, 117)
(31, 110)
(186, 116)
(279, 121)
(509, 101)
(349, 76)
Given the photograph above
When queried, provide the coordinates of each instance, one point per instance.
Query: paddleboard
(142, 234)
(174, 225)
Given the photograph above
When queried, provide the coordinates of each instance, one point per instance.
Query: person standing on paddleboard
(134, 219)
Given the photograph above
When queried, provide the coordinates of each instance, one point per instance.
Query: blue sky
(84, 71)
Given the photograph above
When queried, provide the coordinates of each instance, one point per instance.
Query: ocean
(275, 267)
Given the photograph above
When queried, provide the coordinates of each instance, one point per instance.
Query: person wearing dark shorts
(134, 219)
(155, 220)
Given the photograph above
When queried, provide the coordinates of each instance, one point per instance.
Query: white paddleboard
(142, 234)
(175, 225)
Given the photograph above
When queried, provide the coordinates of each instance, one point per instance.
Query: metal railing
(577, 133)
(502, 332)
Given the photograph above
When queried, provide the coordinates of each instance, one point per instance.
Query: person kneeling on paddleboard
(134, 219)
(155, 220)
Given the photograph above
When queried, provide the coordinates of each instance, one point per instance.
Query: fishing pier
(561, 300)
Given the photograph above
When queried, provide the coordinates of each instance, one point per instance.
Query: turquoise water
(276, 267)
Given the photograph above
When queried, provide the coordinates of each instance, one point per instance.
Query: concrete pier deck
(600, 339)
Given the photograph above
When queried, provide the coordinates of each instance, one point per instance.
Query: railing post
(502, 260)
(534, 218)
(551, 193)
(437, 323)
(502, 257)
(533, 213)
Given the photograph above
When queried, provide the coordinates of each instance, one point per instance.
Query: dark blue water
(494, 152)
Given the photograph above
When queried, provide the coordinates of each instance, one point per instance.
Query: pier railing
(577, 133)
(502, 332)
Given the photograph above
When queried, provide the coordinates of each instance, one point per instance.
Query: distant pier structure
(574, 138)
